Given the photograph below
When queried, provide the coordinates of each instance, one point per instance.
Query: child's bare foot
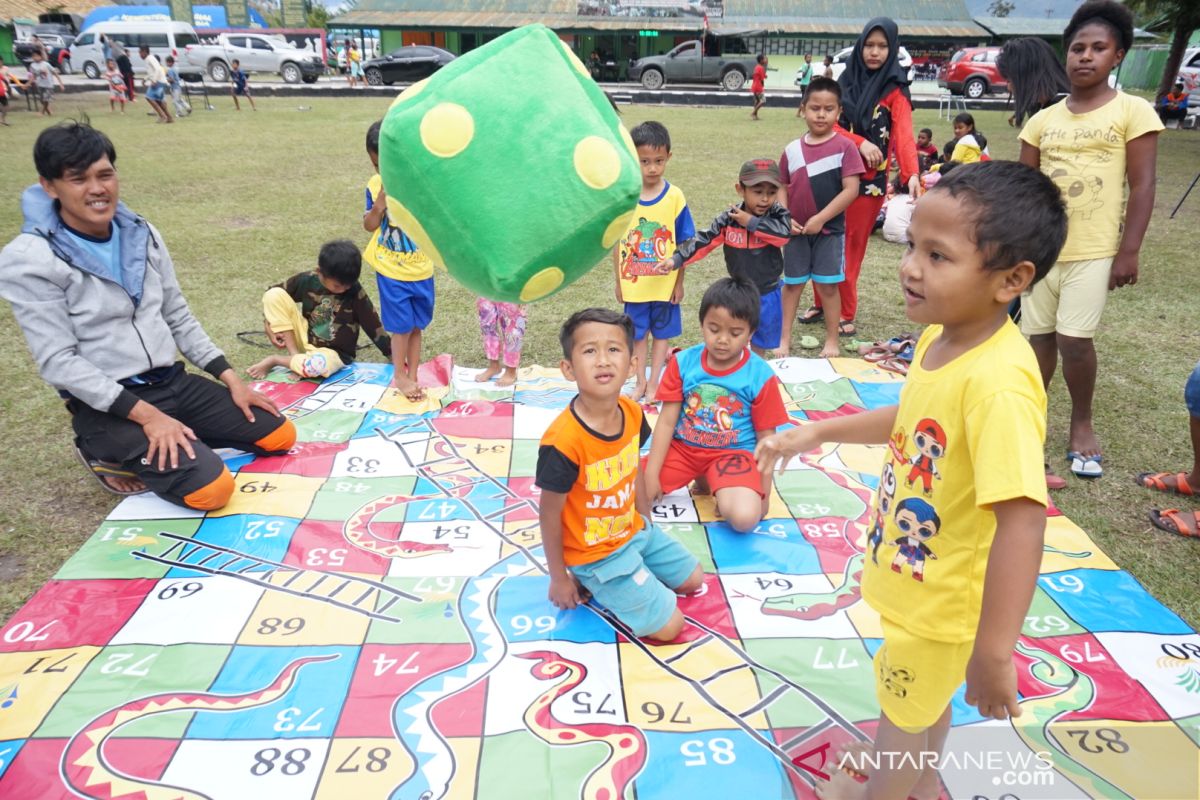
(783, 351)
(830, 350)
(508, 378)
(651, 391)
(492, 371)
(841, 787)
(261, 369)
(411, 390)
(856, 759)
(639, 391)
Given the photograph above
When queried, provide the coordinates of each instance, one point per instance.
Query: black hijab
(862, 89)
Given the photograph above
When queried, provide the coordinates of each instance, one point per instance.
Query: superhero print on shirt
(918, 522)
(707, 419)
(646, 244)
(930, 440)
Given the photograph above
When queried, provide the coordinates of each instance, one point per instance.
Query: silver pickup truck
(255, 53)
(691, 63)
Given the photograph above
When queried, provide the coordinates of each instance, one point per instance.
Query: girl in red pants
(876, 116)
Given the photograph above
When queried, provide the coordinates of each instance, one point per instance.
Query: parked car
(55, 38)
(972, 73)
(163, 37)
(255, 52)
(842, 57)
(689, 63)
(1189, 73)
(411, 63)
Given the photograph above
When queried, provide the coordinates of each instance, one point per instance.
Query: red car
(972, 72)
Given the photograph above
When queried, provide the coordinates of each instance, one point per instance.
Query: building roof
(1048, 27)
(928, 18)
(30, 9)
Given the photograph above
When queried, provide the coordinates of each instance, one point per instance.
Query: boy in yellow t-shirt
(1090, 144)
(404, 276)
(953, 554)
(650, 292)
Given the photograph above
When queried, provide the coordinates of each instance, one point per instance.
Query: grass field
(244, 200)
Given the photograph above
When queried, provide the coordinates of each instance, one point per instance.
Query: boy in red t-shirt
(593, 511)
(758, 85)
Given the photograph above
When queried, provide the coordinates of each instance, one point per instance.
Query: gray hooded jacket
(86, 332)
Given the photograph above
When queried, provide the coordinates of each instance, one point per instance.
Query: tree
(1000, 8)
(1180, 17)
(316, 15)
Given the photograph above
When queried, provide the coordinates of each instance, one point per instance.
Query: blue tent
(202, 16)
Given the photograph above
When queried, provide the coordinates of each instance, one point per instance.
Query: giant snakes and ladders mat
(368, 619)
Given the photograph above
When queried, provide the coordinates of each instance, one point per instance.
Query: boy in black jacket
(753, 233)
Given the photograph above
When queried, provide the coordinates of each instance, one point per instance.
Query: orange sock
(212, 495)
(280, 439)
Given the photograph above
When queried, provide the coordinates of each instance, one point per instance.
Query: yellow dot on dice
(447, 129)
(615, 230)
(541, 284)
(409, 93)
(597, 162)
(403, 219)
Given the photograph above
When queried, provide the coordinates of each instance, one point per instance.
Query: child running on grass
(954, 561)
(321, 335)
(752, 233)
(404, 276)
(116, 86)
(238, 78)
(651, 294)
(1090, 145)
(821, 170)
(718, 401)
(594, 508)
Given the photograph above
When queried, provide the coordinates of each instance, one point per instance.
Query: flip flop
(809, 342)
(100, 470)
(1178, 519)
(878, 353)
(893, 364)
(1085, 467)
(811, 316)
(1156, 481)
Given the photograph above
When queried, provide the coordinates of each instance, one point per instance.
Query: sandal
(809, 342)
(1158, 482)
(1054, 482)
(893, 364)
(103, 470)
(813, 315)
(1085, 466)
(846, 327)
(1172, 520)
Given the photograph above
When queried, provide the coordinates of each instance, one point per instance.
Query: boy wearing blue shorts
(593, 511)
(822, 172)
(753, 233)
(238, 86)
(404, 276)
(652, 295)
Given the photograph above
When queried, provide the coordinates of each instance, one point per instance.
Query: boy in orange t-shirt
(594, 530)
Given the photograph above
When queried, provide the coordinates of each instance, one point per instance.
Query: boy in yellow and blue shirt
(956, 544)
(651, 292)
(404, 276)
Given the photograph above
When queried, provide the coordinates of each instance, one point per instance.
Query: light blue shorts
(1191, 392)
(633, 582)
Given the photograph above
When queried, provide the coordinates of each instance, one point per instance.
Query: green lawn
(243, 200)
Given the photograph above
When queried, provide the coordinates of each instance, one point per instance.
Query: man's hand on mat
(246, 398)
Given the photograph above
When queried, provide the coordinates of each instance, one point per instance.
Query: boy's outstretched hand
(780, 448)
(992, 686)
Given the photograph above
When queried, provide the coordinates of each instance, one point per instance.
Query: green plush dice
(510, 168)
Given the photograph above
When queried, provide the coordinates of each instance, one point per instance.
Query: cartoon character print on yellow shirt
(656, 230)
(600, 478)
(915, 519)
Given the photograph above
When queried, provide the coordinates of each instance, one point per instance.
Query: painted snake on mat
(821, 604)
(88, 773)
(627, 744)
(1076, 691)
(357, 530)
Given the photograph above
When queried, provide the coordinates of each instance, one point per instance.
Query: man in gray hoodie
(94, 290)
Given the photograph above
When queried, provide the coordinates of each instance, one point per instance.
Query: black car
(410, 63)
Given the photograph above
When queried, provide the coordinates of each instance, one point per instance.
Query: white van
(164, 38)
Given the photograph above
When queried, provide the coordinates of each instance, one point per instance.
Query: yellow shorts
(1069, 300)
(915, 678)
(283, 314)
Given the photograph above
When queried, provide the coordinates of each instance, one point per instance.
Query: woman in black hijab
(877, 116)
